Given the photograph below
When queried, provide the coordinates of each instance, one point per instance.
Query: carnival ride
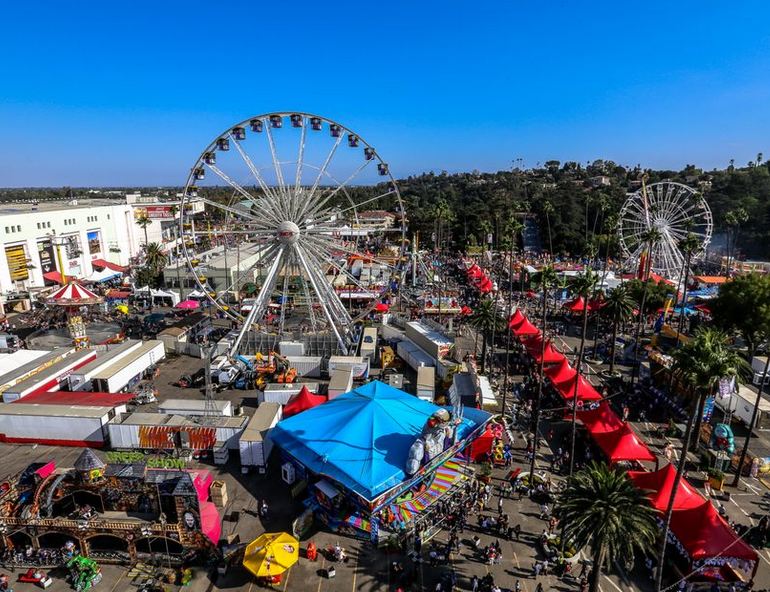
(313, 240)
(85, 573)
(675, 211)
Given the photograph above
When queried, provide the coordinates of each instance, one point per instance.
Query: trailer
(741, 406)
(80, 379)
(306, 366)
(281, 393)
(341, 382)
(55, 425)
(359, 365)
(255, 444)
(413, 355)
(196, 407)
(52, 378)
(12, 361)
(426, 383)
(435, 344)
(161, 431)
(11, 377)
(126, 372)
(758, 364)
(369, 344)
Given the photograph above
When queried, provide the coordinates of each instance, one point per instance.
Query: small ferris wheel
(675, 211)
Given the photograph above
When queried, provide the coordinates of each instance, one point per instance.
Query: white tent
(174, 296)
(103, 275)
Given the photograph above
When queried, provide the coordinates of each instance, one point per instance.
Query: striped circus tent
(73, 294)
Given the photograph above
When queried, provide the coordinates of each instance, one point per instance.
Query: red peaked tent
(482, 444)
(516, 319)
(704, 534)
(302, 401)
(474, 271)
(576, 305)
(466, 311)
(601, 419)
(585, 390)
(525, 328)
(381, 307)
(550, 356)
(658, 485)
(561, 372)
(623, 444)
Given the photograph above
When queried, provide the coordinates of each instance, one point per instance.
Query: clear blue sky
(117, 93)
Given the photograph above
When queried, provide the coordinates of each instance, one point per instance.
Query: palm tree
(733, 220)
(699, 364)
(155, 257)
(604, 511)
(689, 245)
(650, 238)
(484, 320)
(584, 286)
(548, 209)
(513, 229)
(143, 222)
(546, 278)
(618, 308)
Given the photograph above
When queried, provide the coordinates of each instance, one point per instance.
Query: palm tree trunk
(698, 422)
(484, 352)
(745, 449)
(596, 570)
(146, 240)
(578, 364)
(612, 345)
(536, 406)
(508, 336)
(550, 241)
(680, 325)
(670, 506)
(640, 322)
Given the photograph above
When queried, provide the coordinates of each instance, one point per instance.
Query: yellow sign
(17, 262)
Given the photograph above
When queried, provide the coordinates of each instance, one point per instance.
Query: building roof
(362, 438)
(193, 404)
(19, 358)
(54, 410)
(76, 398)
(88, 461)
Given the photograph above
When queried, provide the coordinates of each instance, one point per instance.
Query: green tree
(155, 257)
(650, 239)
(548, 211)
(143, 222)
(689, 246)
(699, 364)
(733, 221)
(484, 320)
(604, 512)
(618, 308)
(739, 307)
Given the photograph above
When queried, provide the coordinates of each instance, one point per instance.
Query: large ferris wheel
(671, 212)
(315, 216)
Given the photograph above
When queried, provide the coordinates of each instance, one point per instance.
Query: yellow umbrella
(122, 308)
(271, 554)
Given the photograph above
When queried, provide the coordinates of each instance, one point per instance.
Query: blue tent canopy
(361, 439)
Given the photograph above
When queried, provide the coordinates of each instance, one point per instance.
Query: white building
(94, 229)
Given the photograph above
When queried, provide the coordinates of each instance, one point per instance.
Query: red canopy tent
(516, 319)
(576, 305)
(108, 265)
(560, 373)
(658, 485)
(623, 444)
(599, 420)
(550, 356)
(466, 311)
(482, 445)
(381, 307)
(585, 390)
(704, 534)
(525, 328)
(302, 401)
(55, 276)
(474, 271)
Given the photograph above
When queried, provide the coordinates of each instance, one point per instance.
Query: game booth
(376, 460)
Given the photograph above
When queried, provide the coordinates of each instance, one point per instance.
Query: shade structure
(302, 401)
(623, 445)
(659, 484)
(104, 275)
(55, 276)
(585, 390)
(576, 305)
(108, 265)
(271, 554)
(560, 372)
(88, 461)
(188, 305)
(361, 439)
(705, 534)
(525, 328)
(73, 294)
(600, 420)
(466, 311)
(550, 356)
(516, 319)
(474, 271)
(381, 307)
(482, 445)
(211, 522)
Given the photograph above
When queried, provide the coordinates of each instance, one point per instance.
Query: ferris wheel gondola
(299, 222)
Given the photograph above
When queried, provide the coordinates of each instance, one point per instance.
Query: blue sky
(109, 93)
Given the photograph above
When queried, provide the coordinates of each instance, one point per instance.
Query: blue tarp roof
(361, 439)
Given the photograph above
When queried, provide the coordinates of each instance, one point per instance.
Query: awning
(659, 484)
(525, 328)
(103, 276)
(561, 372)
(600, 420)
(550, 356)
(108, 265)
(55, 276)
(585, 390)
(623, 445)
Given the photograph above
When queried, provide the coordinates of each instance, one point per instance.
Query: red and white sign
(160, 212)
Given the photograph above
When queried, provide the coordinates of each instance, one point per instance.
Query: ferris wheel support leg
(339, 310)
(261, 301)
(313, 281)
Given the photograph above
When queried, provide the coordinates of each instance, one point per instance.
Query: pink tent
(188, 305)
(211, 524)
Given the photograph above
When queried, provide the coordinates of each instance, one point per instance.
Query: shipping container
(432, 342)
(413, 355)
(369, 344)
(148, 431)
(25, 370)
(124, 373)
(291, 348)
(359, 365)
(80, 379)
(255, 444)
(52, 378)
(306, 366)
(426, 383)
(341, 382)
(281, 393)
(741, 406)
(195, 407)
(55, 425)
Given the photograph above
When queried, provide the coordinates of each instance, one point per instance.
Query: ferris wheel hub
(288, 233)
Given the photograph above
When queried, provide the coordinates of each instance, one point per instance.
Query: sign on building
(16, 257)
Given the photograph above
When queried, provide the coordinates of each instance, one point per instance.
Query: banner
(47, 258)
(160, 212)
(17, 263)
(94, 242)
